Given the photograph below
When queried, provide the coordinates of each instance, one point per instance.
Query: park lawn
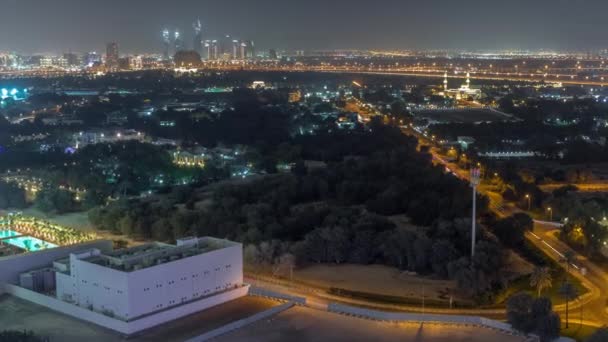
(522, 284)
(577, 331)
(77, 220)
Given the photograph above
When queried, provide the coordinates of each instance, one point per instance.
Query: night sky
(30, 26)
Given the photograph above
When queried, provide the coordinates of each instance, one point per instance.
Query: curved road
(589, 309)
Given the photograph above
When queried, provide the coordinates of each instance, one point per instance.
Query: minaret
(445, 81)
(468, 80)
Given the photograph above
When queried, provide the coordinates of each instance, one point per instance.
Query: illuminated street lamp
(475, 176)
(528, 198)
(550, 213)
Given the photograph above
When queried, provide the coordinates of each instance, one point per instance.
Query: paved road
(600, 186)
(596, 279)
(588, 309)
(591, 308)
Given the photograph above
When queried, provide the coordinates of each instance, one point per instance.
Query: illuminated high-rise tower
(112, 55)
(198, 37)
(243, 50)
(445, 81)
(235, 49)
(250, 49)
(211, 49)
(178, 43)
(225, 47)
(166, 44)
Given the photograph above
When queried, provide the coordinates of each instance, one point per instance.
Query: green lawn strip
(522, 284)
(389, 299)
(577, 331)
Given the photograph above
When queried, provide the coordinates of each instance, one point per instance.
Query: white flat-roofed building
(135, 282)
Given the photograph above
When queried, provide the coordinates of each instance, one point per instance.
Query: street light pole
(528, 198)
(474, 182)
(550, 214)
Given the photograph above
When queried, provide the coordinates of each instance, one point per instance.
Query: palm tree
(541, 278)
(568, 291)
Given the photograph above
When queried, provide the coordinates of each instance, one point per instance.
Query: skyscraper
(198, 37)
(243, 50)
(272, 54)
(92, 58)
(178, 43)
(166, 44)
(211, 48)
(235, 49)
(72, 59)
(112, 55)
(250, 49)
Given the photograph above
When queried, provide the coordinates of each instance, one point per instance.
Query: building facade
(131, 283)
(112, 55)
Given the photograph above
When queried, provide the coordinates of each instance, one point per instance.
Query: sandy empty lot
(302, 324)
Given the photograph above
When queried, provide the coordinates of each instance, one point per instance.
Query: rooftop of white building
(155, 253)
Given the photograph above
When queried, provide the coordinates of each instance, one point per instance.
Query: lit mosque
(465, 91)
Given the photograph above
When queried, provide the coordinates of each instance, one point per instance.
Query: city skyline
(34, 26)
(271, 170)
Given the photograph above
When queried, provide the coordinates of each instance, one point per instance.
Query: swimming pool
(8, 233)
(29, 243)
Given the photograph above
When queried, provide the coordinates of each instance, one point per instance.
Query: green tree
(540, 278)
(528, 315)
(511, 230)
(519, 308)
(600, 335)
(54, 201)
(548, 327)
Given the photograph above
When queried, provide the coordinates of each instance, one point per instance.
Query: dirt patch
(377, 279)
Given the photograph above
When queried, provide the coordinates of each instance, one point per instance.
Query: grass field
(578, 332)
(78, 220)
(523, 285)
(377, 279)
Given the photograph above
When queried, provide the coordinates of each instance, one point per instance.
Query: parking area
(300, 324)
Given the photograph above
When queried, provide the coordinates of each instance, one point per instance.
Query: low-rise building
(132, 289)
(138, 281)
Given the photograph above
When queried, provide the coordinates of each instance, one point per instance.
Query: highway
(590, 308)
(568, 76)
(431, 72)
